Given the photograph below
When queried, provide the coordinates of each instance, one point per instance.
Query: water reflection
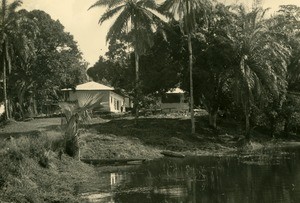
(115, 179)
(273, 176)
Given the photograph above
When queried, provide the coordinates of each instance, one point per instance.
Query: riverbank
(121, 138)
(31, 169)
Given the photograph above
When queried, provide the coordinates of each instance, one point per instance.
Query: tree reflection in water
(247, 178)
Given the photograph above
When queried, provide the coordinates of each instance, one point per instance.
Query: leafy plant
(74, 113)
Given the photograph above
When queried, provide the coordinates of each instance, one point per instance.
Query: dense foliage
(244, 64)
(41, 59)
(136, 21)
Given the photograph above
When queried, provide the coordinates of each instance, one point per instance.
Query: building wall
(128, 103)
(110, 101)
(174, 107)
(116, 102)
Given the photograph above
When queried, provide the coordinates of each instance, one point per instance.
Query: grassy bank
(121, 138)
(31, 171)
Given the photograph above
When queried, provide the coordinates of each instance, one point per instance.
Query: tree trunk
(286, 128)
(213, 119)
(34, 105)
(35, 111)
(245, 99)
(21, 95)
(191, 82)
(273, 127)
(247, 125)
(10, 107)
(5, 84)
(72, 137)
(137, 86)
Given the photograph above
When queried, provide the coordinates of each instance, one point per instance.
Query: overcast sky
(83, 24)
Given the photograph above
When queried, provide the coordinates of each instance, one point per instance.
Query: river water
(269, 176)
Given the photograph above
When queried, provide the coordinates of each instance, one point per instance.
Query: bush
(31, 172)
(295, 122)
(15, 151)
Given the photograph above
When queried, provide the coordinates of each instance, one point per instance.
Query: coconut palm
(187, 12)
(134, 18)
(8, 22)
(261, 57)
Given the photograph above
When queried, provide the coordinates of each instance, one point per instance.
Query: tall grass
(31, 171)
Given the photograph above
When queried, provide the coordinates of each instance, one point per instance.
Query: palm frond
(186, 11)
(109, 14)
(169, 5)
(89, 100)
(86, 101)
(147, 4)
(144, 19)
(119, 26)
(108, 3)
(265, 68)
(68, 109)
(14, 5)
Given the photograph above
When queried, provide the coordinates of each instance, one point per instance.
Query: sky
(83, 23)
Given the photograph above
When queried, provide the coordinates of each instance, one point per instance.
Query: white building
(174, 101)
(110, 100)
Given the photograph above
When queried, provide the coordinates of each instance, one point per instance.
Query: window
(116, 104)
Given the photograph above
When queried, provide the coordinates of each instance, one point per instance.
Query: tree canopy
(46, 59)
(242, 60)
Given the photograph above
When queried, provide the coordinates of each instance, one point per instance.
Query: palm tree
(261, 59)
(286, 22)
(7, 28)
(74, 113)
(136, 19)
(187, 12)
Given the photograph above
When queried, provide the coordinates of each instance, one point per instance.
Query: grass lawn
(121, 138)
(33, 127)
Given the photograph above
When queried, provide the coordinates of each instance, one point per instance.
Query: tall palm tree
(134, 18)
(261, 58)
(8, 21)
(186, 11)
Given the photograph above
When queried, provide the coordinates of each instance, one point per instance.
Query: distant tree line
(242, 62)
(38, 58)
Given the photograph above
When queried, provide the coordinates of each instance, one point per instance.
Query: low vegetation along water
(268, 176)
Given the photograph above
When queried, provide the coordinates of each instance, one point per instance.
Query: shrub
(10, 160)
(295, 122)
(31, 172)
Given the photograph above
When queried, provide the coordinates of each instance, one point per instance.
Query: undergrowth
(32, 171)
